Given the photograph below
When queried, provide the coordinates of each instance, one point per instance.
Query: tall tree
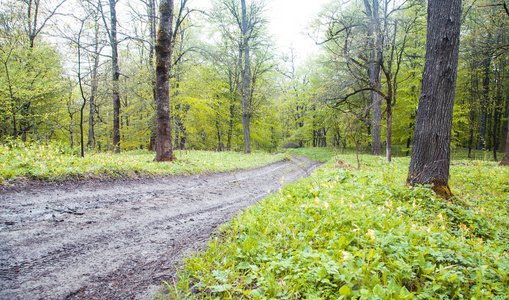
(34, 24)
(375, 41)
(430, 158)
(242, 23)
(505, 160)
(246, 78)
(163, 48)
(115, 75)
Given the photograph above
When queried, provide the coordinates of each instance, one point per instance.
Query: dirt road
(119, 240)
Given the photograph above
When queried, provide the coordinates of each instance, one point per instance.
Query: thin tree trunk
(230, 127)
(497, 116)
(246, 81)
(219, 144)
(93, 92)
(164, 47)
(374, 76)
(484, 101)
(388, 150)
(151, 12)
(115, 77)
(430, 158)
(473, 98)
(13, 100)
(505, 160)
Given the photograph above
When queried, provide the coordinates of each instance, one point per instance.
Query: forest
(82, 72)
(370, 164)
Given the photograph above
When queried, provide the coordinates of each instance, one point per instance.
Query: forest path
(119, 240)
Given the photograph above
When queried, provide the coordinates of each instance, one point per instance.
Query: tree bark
(152, 20)
(115, 77)
(163, 48)
(93, 92)
(388, 149)
(246, 80)
(429, 163)
(497, 116)
(484, 101)
(374, 75)
(505, 160)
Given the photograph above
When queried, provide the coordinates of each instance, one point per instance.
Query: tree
(115, 75)
(430, 158)
(371, 51)
(375, 40)
(505, 160)
(246, 78)
(243, 25)
(34, 9)
(163, 48)
(30, 79)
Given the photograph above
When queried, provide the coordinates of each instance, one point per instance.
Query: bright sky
(288, 22)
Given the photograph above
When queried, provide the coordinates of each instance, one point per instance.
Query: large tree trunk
(115, 77)
(164, 45)
(430, 158)
(246, 81)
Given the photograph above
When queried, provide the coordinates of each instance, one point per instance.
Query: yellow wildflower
(346, 255)
(317, 201)
(371, 234)
(325, 205)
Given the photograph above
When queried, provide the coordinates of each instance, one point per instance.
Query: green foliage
(57, 162)
(362, 234)
(30, 87)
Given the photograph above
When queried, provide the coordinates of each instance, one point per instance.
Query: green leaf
(344, 291)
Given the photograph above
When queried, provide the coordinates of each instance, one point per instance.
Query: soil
(120, 239)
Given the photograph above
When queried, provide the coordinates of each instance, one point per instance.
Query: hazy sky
(288, 22)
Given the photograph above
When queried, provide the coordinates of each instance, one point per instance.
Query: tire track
(130, 235)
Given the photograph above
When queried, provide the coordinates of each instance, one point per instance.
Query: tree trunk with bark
(505, 160)
(375, 43)
(115, 76)
(163, 48)
(246, 80)
(93, 92)
(430, 158)
(484, 101)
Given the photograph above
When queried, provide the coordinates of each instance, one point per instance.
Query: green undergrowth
(318, 154)
(344, 233)
(55, 162)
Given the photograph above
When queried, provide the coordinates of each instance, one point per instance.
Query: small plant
(362, 234)
(56, 162)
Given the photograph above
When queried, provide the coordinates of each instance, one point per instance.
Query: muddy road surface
(119, 240)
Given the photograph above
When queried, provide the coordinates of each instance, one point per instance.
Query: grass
(55, 162)
(344, 233)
